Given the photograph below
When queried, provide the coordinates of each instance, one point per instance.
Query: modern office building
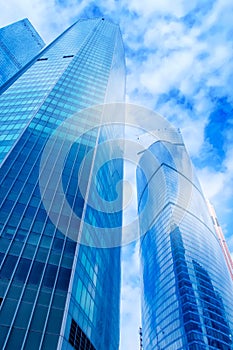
(54, 292)
(19, 43)
(187, 293)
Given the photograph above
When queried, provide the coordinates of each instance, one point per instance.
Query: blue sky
(179, 63)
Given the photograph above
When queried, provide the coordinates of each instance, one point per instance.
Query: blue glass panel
(33, 104)
(187, 289)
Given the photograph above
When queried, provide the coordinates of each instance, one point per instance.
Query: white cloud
(159, 75)
(193, 135)
(147, 8)
(218, 185)
(212, 182)
(130, 321)
(130, 298)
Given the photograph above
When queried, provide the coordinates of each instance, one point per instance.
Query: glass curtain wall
(187, 294)
(55, 293)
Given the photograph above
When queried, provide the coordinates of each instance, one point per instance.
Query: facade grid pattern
(187, 289)
(43, 272)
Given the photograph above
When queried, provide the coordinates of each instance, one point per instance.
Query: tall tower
(19, 43)
(55, 293)
(187, 295)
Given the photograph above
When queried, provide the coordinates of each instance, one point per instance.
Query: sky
(179, 63)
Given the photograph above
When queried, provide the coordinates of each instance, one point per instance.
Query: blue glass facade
(55, 293)
(187, 294)
(19, 43)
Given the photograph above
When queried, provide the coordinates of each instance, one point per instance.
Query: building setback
(55, 293)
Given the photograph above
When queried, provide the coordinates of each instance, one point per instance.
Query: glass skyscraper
(19, 43)
(187, 292)
(54, 292)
